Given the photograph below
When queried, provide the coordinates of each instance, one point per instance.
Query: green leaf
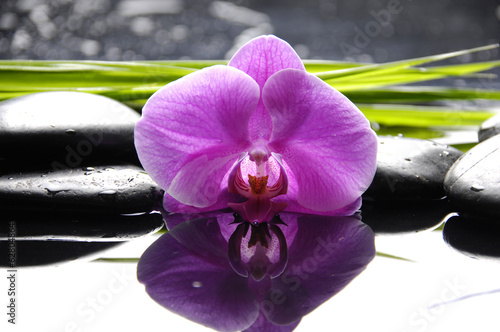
(419, 94)
(384, 68)
(116, 260)
(381, 254)
(422, 116)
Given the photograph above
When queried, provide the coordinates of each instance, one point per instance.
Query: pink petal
(265, 55)
(193, 130)
(324, 139)
(260, 58)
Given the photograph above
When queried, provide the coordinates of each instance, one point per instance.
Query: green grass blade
(313, 66)
(135, 81)
(381, 254)
(419, 94)
(423, 116)
(116, 260)
(412, 75)
(377, 69)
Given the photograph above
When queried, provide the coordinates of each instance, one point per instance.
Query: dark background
(188, 29)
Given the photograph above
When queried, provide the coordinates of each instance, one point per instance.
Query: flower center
(258, 184)
(260, 168)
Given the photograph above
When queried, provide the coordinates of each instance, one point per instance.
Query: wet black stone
(55, 130)
(473, 183)
(68, 226)
(409, 168)
(403, 216)
(116, 189)
(489, 128)
(42, 253)
(474, 236)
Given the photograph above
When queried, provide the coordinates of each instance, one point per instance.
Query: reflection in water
(473, 236)
(278, 273)
(391, 216)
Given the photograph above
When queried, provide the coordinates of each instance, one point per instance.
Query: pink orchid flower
(260, 135)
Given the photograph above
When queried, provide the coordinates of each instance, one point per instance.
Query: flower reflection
(188, 270)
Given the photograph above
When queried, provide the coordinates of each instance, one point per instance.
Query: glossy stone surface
(56, 130)
(70, 226)
(403, 216)
(473, 183)
(489, 128)
(113, 189)
(411, 168)
(473, 236)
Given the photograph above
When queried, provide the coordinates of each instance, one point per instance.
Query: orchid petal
(260, 58)
(199, 181)
(187, 272)
(324, 138)
(193, 129)
(171, 204)
(323, 259)
(265, 55)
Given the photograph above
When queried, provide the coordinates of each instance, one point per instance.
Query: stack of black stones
(420, 184)
(71, 185)
(473, 186)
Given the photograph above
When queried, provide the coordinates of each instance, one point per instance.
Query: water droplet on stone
(70, 132)
(54, 188)
(11, 178)
(107, 192)
(445, 153)
(89, 169)
(477, 187)
(197, 284)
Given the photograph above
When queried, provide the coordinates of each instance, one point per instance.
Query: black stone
(403, 216)
(473, 183)
(55, 130)
(409, 168)
(112, 189)
(103, 227)
(489, 128)
(473, 236)
(42, 253)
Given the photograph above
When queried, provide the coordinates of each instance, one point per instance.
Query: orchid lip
(259, 207)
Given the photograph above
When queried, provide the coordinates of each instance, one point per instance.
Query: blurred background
(356, 30)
